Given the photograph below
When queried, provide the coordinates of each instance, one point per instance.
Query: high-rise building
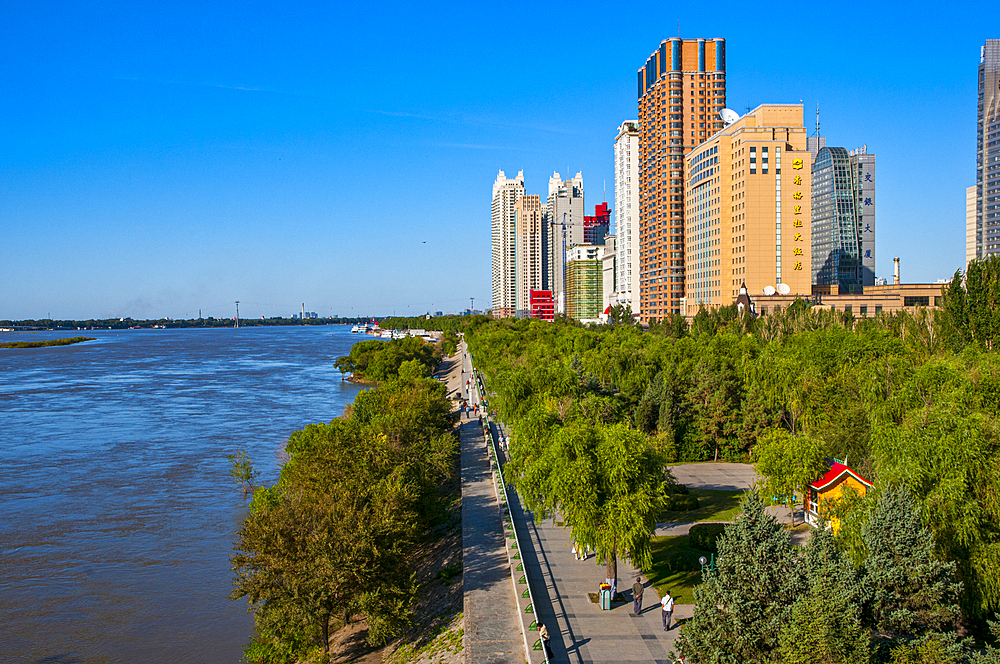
(843, 219)
(506, 191)
(528, 252)
(597, 226)
(584, 282)
(682, 88)
(609, 285)
(564, 220)
(988, 152)
(748, 210)
(627, 213)
(970, 224)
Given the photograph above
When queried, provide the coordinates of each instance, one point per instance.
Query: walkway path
(581, 632)
(492, 631)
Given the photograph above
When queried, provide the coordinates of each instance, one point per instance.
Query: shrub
(680, 503)
(682, 561)
(705, 535)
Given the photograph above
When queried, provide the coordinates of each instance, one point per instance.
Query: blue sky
(161, 158)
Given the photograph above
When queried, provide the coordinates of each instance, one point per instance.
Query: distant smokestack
(895, 271)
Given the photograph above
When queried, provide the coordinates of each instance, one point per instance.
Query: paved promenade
(492, 631)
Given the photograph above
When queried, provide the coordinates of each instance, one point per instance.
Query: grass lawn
(715, 506)
(680, 584)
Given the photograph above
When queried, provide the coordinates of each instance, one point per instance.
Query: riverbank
(437, 628)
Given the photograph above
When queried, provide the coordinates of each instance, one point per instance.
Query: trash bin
(605, 599)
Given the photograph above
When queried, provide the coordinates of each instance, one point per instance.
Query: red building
(543, 306)
(597, 226)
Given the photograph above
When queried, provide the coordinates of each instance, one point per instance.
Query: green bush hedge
(705, 535)
(682, 561)
(680, 503)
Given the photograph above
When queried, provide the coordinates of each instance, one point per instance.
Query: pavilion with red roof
(830, 488)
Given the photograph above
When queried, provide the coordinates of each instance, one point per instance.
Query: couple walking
(666, 604)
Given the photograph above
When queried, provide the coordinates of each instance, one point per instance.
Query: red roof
(837, 470)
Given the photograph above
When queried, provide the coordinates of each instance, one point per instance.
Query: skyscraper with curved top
(682, 88)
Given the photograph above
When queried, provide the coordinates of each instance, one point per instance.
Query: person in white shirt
(666, 610)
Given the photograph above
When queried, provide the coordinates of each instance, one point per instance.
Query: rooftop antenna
(472, 304)
(605, 191)
(678, 28)
(817, 118)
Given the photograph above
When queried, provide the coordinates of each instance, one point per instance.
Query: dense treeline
(331, 540)
(909, 399)
(377, 360)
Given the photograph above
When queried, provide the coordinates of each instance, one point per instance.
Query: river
(118, 511)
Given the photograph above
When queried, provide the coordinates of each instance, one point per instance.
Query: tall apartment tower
(564, 221)
(988, 152)
(843, 219)
(682, 88)
(506, 191)
(970, 225)
(748, 209)
(627, 213)
(528, 252)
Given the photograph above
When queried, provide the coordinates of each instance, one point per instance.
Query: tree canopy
(330, 540)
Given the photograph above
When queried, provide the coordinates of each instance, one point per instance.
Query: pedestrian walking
(666, 610)
(637, 589)
(543, 633)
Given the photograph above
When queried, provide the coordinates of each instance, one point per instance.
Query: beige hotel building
(747, 210)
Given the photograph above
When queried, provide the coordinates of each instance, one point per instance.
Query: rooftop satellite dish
(784, 289)
(769, 290)
(729, 116)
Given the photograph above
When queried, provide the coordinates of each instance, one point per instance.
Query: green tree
(913, 593)
(604, 480)
(743, 605)
(787, 464)
(621, 314)
(825, 623)
(243, 472)
(304, 560)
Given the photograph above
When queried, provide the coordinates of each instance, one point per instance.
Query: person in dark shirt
(637, 589)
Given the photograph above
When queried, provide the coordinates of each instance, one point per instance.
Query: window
(863, 310)
(878, 309)
(916, 301)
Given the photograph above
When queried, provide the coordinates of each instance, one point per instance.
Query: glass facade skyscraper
(988, 152)
(843, 228)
